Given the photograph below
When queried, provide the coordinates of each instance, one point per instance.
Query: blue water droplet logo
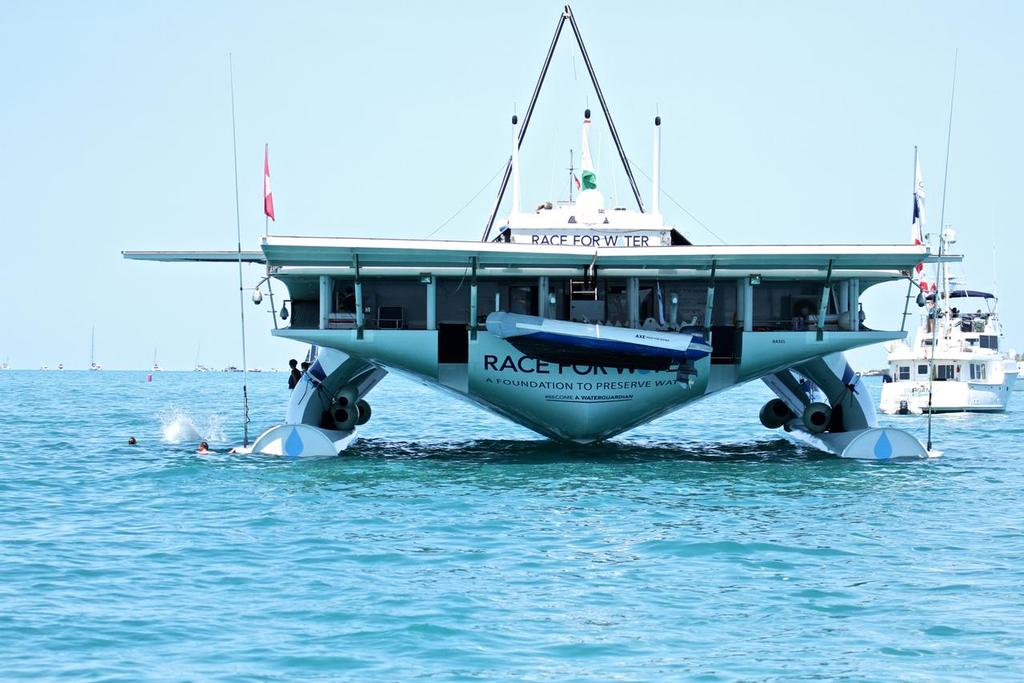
(293, 444)
(883, 447)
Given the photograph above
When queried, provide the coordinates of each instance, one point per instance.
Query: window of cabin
(790, 305)
(922, 370)
(490, 297)
(945, 372)
(453, 300)
(616, 302)
(903, 372)
(522, 298)
(399, 304)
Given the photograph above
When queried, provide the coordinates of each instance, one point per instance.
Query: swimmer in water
(204, 448)
(132, 441)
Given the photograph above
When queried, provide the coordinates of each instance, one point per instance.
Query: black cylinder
(586, 114)
(657, 120)
(816, 417)
(775, 413)
(364, 412)
(515, 119)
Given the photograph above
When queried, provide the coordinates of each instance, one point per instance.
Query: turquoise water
(450, 545)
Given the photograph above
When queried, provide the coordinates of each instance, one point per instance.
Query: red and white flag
(268, 196)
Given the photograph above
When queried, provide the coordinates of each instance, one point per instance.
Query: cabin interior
(726, 307)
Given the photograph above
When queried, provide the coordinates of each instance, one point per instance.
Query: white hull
(955, 364)
(947, 397)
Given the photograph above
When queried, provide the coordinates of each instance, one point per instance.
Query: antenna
(995, 273)
(238, 227)
(656, 171)
(942, 249)
(516, 203)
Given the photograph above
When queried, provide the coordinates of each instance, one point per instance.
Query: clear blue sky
(784, 122)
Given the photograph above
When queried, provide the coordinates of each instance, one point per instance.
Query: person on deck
(294, 376)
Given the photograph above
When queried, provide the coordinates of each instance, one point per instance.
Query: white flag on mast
(588, 177)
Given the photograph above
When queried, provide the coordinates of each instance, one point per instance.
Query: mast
(910, 284)
(525, 125)
(604, 108)
(266, 232)
(566, 15)
(92, 349)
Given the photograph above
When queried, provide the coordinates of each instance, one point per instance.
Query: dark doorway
(726, 344)
(452, 343)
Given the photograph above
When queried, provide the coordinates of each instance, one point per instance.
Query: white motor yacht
(955, 363)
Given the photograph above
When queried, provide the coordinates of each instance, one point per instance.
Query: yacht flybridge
(579, 320)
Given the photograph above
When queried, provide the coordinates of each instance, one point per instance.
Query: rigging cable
(681, 207)
(238, 226)
(942, 244)
(464, 206)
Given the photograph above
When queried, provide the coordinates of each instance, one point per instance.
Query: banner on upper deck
(571, 237)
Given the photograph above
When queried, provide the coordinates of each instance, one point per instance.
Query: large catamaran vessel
(579, 320)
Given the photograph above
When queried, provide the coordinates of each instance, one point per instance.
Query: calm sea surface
(450, 545)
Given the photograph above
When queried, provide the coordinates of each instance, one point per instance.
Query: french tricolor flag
(917, 223)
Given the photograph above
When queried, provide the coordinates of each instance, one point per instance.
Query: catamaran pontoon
(579, 321)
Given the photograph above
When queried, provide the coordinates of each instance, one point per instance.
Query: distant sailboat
(6, 365)
(199, 367)
(92, 352)
(156, 366)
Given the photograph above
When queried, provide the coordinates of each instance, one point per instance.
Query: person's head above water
(203, 446)
(132, 441)
(292, 363)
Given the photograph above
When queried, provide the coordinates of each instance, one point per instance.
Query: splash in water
(178, 426)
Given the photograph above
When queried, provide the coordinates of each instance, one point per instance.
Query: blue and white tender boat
(574, 343)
